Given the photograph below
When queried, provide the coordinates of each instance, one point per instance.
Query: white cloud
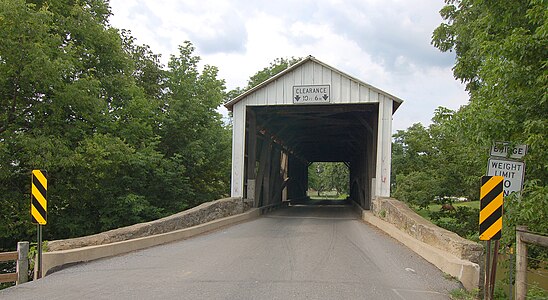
(384, 43)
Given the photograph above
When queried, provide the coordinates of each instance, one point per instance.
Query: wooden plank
(238, 151)
(288, 82)
(266, 176)
(10, 277)
(335, 88)
(281, 188)
(298, 76)
(354, 96)
(317, 71)
(7, 256)
(364, 94)
(275, 180)
(521, 264)
(345, 90)
(285, 161)
(308, 73)
(280, 98)
(251, 155)
(260, 172)
(326, 76)
(534, 239)
(251, 146)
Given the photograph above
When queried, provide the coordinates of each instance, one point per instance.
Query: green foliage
(275, 67)
(462, 294)
(416, 188)
(463, 220)
(501, 50)
(536, 292)
(501, 55)
(436, 162)
(192, 129)
(529, 210)
(122, 139)
(324, 176)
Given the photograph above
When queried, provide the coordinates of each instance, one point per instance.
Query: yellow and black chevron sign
(490, 217)
(38, 198)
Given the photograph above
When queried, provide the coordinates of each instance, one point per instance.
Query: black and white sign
(502, 149)
(511, 170)
(304, 94)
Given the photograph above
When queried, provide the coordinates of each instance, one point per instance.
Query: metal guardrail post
(22, 262)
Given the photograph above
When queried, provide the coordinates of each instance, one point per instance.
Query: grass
(462, 294)
(436, 207)
(331, 195)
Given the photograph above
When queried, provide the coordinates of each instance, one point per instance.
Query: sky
(385, 43)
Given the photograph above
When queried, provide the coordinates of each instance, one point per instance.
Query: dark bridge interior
(281, 142)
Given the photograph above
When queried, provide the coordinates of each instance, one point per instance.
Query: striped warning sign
(490, 219)
(38, 198)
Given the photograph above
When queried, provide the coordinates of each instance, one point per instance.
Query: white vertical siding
(336, 88)
(344, 89)
(354, 92)
(317, 74)
(238, 150)
(299, 76)
(279, 90)
(287, 82)
(364, 94)
(308, 72)
(326, 76)
(384, 147)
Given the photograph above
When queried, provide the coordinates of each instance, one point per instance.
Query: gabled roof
(231, 103)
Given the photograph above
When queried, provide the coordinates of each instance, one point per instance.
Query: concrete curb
(466, 271)
(54, 260)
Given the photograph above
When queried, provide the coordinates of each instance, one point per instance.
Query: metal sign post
(39, 251)
(505, 176)
(490, 219)
(487, 278)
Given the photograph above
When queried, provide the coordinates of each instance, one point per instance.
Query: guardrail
(524, 237)
(22, 268)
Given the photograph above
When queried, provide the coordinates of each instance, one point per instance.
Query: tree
(438, 162)
(501, 50)
(275, 67)
(121, 139)
(71, 107)
(324, 176)
(192, 129)
(501, 55)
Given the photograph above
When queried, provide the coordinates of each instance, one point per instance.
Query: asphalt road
(300, 252)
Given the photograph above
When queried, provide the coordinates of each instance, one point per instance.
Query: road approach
(299, 252)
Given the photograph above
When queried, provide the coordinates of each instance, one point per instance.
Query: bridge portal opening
(328, 181)
(283, 141)
(311, 112)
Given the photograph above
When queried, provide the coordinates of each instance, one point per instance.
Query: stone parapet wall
(406, 220)
(200, 214)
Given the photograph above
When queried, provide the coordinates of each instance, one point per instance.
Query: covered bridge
(310, 112)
